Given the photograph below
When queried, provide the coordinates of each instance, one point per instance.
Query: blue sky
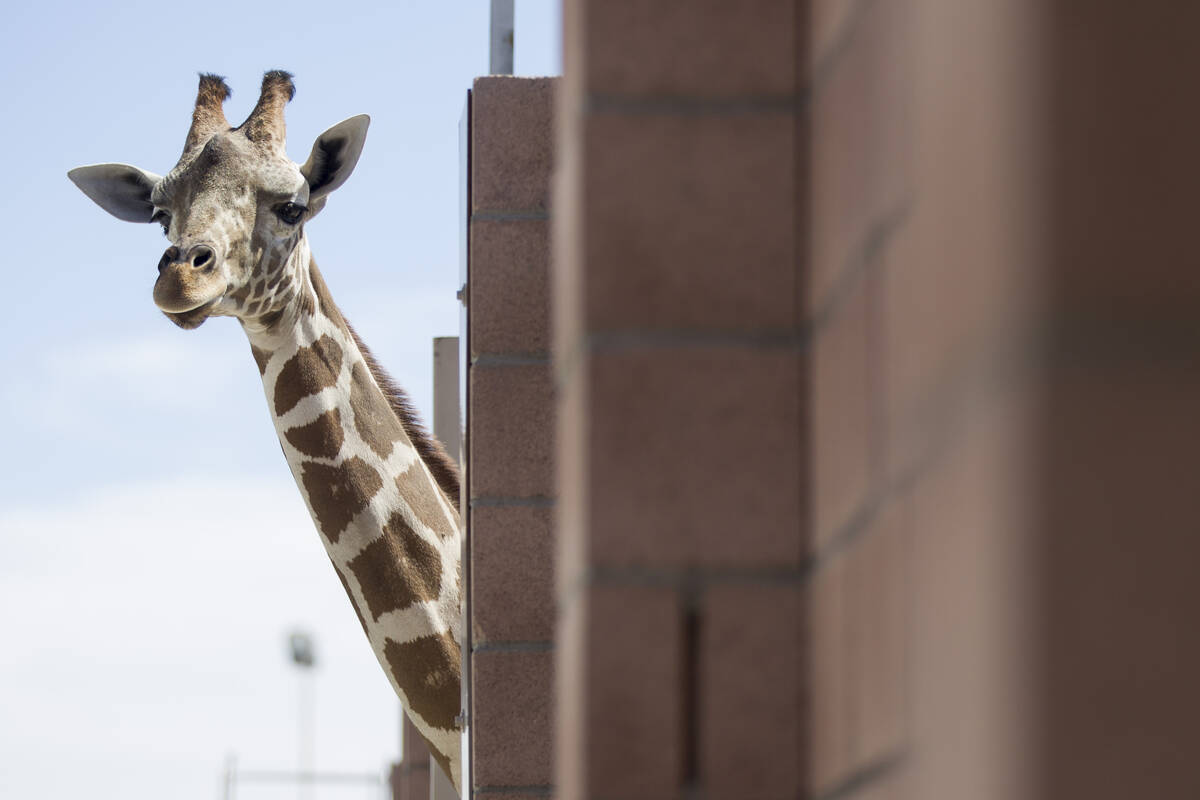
(156, 551)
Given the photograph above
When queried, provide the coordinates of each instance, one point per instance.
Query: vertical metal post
(447, 416)
(464, 361)
(230, 783)
(502, 34)
(307, 732)
(447, 426)
(304, 657)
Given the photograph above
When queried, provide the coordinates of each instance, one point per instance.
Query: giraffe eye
(290, 213)
(162, 218)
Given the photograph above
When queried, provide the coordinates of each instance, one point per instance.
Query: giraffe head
(233, 208)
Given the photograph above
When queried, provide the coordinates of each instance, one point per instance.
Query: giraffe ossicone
(381, 490)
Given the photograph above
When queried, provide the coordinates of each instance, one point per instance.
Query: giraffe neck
(390, 532)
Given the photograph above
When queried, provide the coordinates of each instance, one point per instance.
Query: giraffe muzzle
(186, 282)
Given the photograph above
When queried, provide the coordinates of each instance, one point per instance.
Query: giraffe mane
(429, 448)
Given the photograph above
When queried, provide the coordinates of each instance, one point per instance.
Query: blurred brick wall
(1117, 648)
(921, 264)
(510, 434)
(876, 333)
(1005, 336)
(409, 779)
(679, 341)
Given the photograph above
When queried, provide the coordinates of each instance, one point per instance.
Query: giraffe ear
(334, 155)
(119, 189)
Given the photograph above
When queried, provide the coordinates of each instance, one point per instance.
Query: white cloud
(84, 387)
(144, 631)
(143, 358)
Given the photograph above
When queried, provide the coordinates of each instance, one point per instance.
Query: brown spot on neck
(374, 419)
(441, 466)
(268, 320)
(241, 294)
(321, 438)
(417, 489)
(312, 369)
(337, 494)
(428, 671)
(261, 358)
(397, 569)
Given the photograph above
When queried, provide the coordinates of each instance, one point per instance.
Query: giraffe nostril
(202, 258)
(167, 257)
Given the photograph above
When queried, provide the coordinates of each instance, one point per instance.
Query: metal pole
(447, 426)
(230, 781)
(464, 360)
(303, 654)
(307, 731)
(447, 420)
(501, 55)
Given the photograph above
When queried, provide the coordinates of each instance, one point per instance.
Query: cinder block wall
(1004, 349)
(875, 327)
(920, 266)
(1117, 648)
(510, 469)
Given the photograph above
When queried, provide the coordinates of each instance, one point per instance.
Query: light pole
(304, 657)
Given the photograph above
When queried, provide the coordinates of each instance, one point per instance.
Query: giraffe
(382, 492)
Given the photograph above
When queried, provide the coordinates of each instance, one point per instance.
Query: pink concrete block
(695, 457)
(512, 138)
(512, 698)
(690, 222)
(689, 48)
(509, 288)
(754, 693)
(512, 573)
(512, 431)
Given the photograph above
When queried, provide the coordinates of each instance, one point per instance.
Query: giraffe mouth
(189, 320)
